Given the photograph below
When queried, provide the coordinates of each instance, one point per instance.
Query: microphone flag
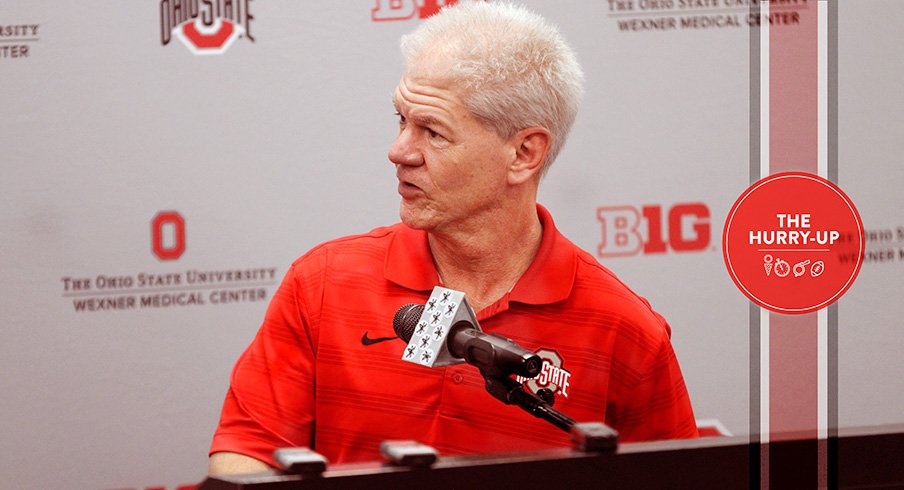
(428, 346)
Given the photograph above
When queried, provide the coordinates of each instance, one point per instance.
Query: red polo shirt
(607, 356)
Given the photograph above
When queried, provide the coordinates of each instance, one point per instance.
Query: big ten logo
(628, 230)
(407, 9)
(168, 235)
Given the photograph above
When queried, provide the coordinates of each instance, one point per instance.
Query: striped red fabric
(307, 379)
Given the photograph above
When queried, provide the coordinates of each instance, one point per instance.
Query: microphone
(445, 332)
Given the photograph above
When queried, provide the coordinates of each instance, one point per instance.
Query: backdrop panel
(153, 198)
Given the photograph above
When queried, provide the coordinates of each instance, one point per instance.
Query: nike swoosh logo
(369, 341)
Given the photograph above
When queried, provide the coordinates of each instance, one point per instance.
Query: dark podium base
(857, 458)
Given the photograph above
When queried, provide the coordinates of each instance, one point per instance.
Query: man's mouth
(408, 190)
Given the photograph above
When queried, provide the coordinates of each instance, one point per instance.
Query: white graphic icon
(450, 310)
(801, 267)
(817, 268)
(426, 357)
(782, 268)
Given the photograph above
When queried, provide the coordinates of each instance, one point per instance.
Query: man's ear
(531, 148)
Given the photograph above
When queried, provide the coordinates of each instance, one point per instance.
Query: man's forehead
(414, 90)
(430, 72)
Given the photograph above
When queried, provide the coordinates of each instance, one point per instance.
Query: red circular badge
(793, 242)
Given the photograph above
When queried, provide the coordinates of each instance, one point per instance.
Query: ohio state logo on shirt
(553, 376)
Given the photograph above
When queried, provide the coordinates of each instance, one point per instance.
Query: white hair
(514, 66)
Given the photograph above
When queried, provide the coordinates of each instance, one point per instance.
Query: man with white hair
(485, 104)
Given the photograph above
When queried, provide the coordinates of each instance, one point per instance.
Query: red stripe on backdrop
(793, 87)
(793, 142)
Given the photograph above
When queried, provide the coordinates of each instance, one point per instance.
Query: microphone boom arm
(511, 392)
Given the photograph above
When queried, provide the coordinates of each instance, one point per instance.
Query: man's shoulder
(603, 289)
(361, 254)
(378, 237)
(593, 280)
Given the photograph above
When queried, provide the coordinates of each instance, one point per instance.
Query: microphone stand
(586, 436)
(511, 392)
(497, 357)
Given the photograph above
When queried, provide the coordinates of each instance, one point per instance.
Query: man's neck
(487, 259)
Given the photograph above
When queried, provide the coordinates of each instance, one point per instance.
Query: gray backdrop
(280, 143)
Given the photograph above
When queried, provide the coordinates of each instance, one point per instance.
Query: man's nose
(405, 151)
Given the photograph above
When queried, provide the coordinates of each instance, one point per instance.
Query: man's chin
(415, 218)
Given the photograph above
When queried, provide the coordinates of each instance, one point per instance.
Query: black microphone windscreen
(405, 320)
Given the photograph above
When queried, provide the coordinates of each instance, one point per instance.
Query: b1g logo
(205, 27)
(628, 230)
(168, 235)
(406, 9)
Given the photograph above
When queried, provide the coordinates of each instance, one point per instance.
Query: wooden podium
(864, 457)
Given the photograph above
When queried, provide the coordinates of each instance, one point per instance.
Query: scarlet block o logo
(168, 224)
(202, 40)
(688, 229)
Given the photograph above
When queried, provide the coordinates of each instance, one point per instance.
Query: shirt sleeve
(270, 402)
(649, 398)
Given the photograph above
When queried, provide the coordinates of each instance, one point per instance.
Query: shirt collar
(549, 278)
(409, 262)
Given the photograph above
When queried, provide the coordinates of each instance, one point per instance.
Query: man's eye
(432, 133)
(401, 118)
